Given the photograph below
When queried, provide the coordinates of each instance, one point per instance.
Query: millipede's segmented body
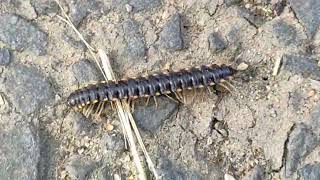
(153, 85)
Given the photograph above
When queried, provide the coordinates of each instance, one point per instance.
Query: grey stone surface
(135, 45)
(285, 33)
(216, 42)
(19, 152)
(78, 44)
(20, 34)
(257, 174)
(27, 88)
(79, 167)
(45, 7)
(308, 13)
(79, 9)
(310, 172)
(141, 5)
(24, 8)
(5, 57)
(304, 65)
(81, 124)
(84, 72)
(301, 142)
(171, 35)
(151, 117)
(113, 142)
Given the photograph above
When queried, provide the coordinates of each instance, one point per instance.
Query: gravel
(19, 34)
(171, 35)
(5, 57)
(27, 88)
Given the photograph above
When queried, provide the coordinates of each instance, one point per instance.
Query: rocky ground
(267, 129)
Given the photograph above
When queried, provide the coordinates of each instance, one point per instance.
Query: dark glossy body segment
(152, 85)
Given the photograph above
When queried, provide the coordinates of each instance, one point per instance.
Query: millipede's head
(71, 101)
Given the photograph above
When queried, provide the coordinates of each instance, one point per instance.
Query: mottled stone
(45, 7)
(79, 168)
(301, 142)
(24, 8)
(216, 42)
(303, 65)
(257, 174)
(27, 88)
(20, 34)
(285, 32)
(5, 57)
(81, 125)
(310, 172)
(84, 72)
(135, 45)
(151, 117)
(141, 5)
(19, 151)
(79, 9)
(171, 35)
(308, 13)
(112, 142)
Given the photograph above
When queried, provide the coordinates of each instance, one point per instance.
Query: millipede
(164, 83)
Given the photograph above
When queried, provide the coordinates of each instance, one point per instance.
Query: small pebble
(128, 7)
(108, 126)
(228, 177)
(4, 57)
(2, 101)
(311, 93)
(242, 66)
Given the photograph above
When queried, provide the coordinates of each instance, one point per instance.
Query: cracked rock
(79, 168)
(310, 172)
(216, 42)
(45, 7)
(19, 34)
(135, 45)
(171, 35)
(303, 65)
(84, 72)
(308, 13)
(151, 117)
(79, 9)
(24, 8)
(140, 5)
(27, 88)
(19, 155)
(301, 142)
(5, 57)
(256, 174)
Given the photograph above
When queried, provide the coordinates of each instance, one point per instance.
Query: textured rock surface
(27, 88)
(308, 14)
(19, 153)
(171, 35)
(151, 117)
(266, 128)
(20, 34)
(5, 57)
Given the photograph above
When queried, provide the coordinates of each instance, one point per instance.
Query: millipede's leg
(202, 95)
(178, 97)
(209, 90)
(147, 102)
(98, 108)
(112, 106)
(132, 105)
(155, 101)
(101, 109)
(184, 97)
(171, 98)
